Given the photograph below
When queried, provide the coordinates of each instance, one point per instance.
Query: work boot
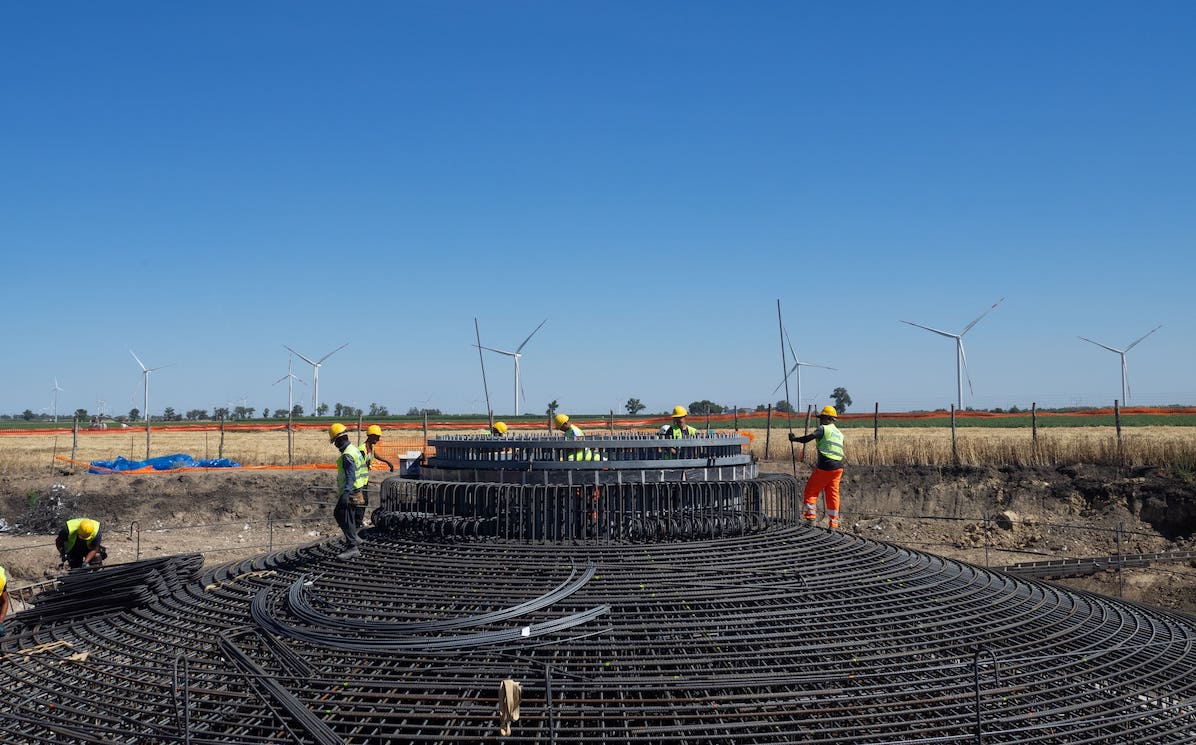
(352, 553)
(809, 521)
(834, 524)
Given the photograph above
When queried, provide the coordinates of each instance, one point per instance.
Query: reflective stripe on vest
(574, 433)
(367, 455)
(72, 532)
(677, 433)
(830, 445)
(361, 475)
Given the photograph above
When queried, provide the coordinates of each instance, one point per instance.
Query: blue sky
(204, 183)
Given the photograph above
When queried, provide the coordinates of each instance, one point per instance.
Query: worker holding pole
(827, 472)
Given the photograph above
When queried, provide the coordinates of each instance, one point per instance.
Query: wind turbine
(1125, 385)
(315, 375)
(145, 372)
(961, 357)
(515, 356)
(292, 377)
(54, 406)
(796, 369)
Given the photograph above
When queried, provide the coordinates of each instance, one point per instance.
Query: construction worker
(829, 469)
(79, 543)
(3, 599)
(678, 428)
(351, 479)
(498, 429)
(572, 432)
(373, 434)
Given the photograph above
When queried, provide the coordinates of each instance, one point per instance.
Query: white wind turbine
(145, 372)
(796, 369)
(54, 405)
(515, 356)
(292, 377)
(1125, 385)
(315, 375)
(961, 357)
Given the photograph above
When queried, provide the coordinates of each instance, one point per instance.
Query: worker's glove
(62, 558)
(792, 437)
(392, 468)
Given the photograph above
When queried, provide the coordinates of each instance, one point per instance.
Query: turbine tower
(315, 375)
(1125, 384)
(961, 357)
(54, 405)
(796, 369)
(145, 373)
(292, 377)
(515, 356)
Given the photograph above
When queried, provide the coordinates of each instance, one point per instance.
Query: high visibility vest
(72, 533)
(574, 433)
(672, 430)
(3, 579)
(361, 475)
(830, 445)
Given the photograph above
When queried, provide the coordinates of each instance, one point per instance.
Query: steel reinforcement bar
(787, 635)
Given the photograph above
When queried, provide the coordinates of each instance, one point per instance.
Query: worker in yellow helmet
(678, 428)
(80, 543)
(372, 435)
(572, 432)
(351, 479)
(828, 471)
(3, 599)
(498, 429)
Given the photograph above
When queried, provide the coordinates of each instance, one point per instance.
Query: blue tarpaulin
(161, 463)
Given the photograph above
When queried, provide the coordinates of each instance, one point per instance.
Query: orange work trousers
(819, 481)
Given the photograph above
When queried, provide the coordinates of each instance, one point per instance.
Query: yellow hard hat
(336, 431)
(679, 411)
(829, 411)
(374, 429)
(88, 529)
(561, 419)
(500, 428)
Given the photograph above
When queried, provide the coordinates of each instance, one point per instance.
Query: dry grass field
(1139, 446)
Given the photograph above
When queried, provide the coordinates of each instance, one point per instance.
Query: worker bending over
(572, 432)
(829, 469)
(80, 543)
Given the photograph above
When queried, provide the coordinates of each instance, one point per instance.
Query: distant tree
(322, 410)
(338, 411)
(81, 413)
(249, 412)
(376, 410)
(705, 406)
(634, 406)
(413, 411)
(1013, 409)
(783, 406)
(265, 413)
(134, 414)
(280, 413)
(761, 407)
(168, 414)
(416, 411)
(841, 398)
(552, 407)
(296, 410)
(220, 412)
(27, 414)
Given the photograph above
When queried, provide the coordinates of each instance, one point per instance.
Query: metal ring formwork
(620, 487)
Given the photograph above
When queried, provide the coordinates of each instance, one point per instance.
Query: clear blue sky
(204, 183)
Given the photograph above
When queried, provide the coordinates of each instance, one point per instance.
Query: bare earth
(1034, 514)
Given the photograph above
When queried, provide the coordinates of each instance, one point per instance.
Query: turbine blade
(815, 364)
(139, 362)
(982, 315)
(1148, 333)
(500, 351)
(333, 352)
(963, 356)
(786, 380)
(284, 377)
(941, 333)
(1097, 343)
(300, 356)
(791, 352)
(529, 336)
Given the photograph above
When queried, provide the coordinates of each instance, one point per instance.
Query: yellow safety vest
(72, 532)
(677, 433)
(361, 474)
(830, 445)
(574, 433)
(3, 579)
